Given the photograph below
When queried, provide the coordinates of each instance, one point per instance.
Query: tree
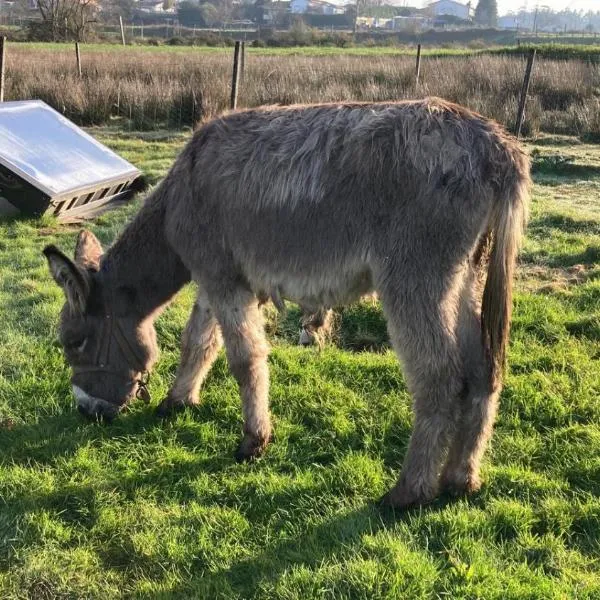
(486, 13)
(66, 19)
(211, 14)
(190, 14)
(115, 8)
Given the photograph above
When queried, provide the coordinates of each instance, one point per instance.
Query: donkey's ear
(75, 281)
(88, 250)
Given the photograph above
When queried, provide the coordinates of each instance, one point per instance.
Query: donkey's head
(108, 344)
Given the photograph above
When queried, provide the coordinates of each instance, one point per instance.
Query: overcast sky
(505, 6)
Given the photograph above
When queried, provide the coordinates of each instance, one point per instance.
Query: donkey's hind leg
(201, 342)
(421, 321)
(243, 331)
(478, 404)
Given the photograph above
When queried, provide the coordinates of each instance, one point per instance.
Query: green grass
(149, 509)
(544, 50)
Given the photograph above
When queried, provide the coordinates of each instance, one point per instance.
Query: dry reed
(175, 89)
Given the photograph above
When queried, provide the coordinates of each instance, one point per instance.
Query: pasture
(143, 508)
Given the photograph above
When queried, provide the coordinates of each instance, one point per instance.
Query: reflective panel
(47, 150)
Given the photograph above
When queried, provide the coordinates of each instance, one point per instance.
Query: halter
(111, 330)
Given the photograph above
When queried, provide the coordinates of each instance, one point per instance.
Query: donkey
(320, 205)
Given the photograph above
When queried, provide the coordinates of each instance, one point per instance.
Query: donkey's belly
(316, 289)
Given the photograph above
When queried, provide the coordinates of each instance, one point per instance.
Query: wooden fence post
(524, 92)
(122, 30)
(418, 66)
(235, 76)
(2, 64)
(78, 57)
(243, 62)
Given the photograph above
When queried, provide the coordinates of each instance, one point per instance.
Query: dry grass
(178, 88)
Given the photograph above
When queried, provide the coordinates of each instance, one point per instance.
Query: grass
(557, 51)
(145, 509)
(175, 87)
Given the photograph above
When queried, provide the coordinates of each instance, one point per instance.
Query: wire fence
(149, 88)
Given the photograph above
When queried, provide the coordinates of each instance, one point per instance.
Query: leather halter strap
(112, 332)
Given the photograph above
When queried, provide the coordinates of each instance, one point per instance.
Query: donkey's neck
(141, 268)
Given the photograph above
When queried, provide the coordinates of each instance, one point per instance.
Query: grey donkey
(422, 201)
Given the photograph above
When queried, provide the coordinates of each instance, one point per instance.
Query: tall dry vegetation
(158, 88)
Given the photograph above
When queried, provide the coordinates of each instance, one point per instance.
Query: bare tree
(67, 19)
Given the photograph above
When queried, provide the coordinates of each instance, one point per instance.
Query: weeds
(152, 88)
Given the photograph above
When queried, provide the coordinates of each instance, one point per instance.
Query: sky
(505, 6)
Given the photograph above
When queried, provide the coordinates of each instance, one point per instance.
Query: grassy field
(161, 510)
(545, 50)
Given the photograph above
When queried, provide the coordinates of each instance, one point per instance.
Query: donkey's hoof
(460, 484)
(251, 447)
(169, 407)
(401, 497)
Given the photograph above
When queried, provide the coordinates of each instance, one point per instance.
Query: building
(320, 7)
(152, 6)
(273, 13)
(508, 22)
(411, 24)
(449, 8)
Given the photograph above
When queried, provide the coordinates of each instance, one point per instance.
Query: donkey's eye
(78, 344)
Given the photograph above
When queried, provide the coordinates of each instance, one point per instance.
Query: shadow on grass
(540, 225)
(566, 141)
(552, 166)
(337, 537)
(590, 255)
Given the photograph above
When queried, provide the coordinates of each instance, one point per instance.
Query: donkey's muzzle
(95, 408)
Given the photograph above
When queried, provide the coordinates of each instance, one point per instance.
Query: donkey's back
(309, 200)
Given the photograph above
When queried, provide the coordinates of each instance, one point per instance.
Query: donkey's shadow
(58, 438)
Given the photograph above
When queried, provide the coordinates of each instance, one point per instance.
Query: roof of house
(323, 3)
(451, 2)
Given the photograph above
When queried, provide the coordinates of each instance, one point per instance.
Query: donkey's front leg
(201, 342)
(243, 330)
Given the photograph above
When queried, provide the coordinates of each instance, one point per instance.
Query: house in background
(320, 7)
(509, 21)
(273, 14)
(451, 8)
(413, 23)
(152, 6)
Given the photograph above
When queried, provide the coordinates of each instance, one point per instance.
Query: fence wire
(175, 87)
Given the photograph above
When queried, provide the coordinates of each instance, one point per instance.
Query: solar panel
(49, 165)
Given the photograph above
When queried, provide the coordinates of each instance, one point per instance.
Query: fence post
(418, 66)
(122, 30)
(524, 92)
(2, 63)
(78, 57)
(235, 76)
(243, 62)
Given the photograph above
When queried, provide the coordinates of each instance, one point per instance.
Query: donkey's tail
(505, 227)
